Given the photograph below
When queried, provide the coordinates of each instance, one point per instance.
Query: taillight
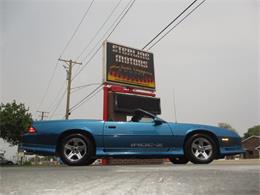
(32, 130)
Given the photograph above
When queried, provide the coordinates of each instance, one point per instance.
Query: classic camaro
(81, 142)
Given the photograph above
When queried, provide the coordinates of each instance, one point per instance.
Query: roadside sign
(127, 103)
(128, 66)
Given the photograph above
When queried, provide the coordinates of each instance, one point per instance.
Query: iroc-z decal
(146, 145)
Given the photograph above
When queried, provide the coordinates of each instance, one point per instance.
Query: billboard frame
(104, 79)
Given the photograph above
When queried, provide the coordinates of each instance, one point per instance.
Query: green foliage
(27, 163)
(252, 131)
(14, 121)
(226, 126)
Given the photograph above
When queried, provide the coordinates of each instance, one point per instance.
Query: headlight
(225, 139)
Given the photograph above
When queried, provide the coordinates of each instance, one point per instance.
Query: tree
(226, 126)
(252, 131)
(14, 121)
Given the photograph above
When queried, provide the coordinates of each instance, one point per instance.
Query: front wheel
(200, 149)
(77, 150)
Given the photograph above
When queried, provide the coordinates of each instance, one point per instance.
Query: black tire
(90, 161)
(10, 163)
(77, 150)
(179, 160)
(200, 149)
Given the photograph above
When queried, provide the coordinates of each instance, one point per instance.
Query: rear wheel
(77, 150)
(200, 149)
(10, 163)
(179, 160)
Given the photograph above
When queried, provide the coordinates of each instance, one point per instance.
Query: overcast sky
(211, 59)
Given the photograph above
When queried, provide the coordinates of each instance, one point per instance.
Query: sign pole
(105, 103)
(105, 113)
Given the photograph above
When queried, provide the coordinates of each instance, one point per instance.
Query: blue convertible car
(81, 142)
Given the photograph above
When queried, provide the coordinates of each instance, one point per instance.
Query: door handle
(112, 127)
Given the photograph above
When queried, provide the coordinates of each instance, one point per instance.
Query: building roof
(251, 138)
(257, 148)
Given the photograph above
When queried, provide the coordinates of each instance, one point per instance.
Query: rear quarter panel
(48, 132)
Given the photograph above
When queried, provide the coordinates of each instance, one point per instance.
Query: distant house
(8, 151)
(2, 153)
(251, 146)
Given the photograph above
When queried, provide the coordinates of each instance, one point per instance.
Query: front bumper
(231, 147)
(231, 150)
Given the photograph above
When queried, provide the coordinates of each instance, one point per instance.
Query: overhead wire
(96, 90)
(77, 28)
(74, 89)
(167, 26)
(48, 85)
(88, 99)
(60, 91)
(115, 24)
(100, 28)
(62, 52)
(155, 43)
(57, 106)
(126, 9)
(77, 105)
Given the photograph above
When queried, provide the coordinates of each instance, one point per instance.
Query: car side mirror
(157, 121)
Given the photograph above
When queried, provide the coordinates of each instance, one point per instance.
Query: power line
(90, 95)
(116, 23)
(96, 90)
(88, 99)
(56, 97)
(80, 102)
(49, 84)
(94, 54)
(64, 49)
(170, 24)
(59, 102)
(91, 58)
(83, 86)
(77, 28)
(127, 8)
(100, 28)
(176, 25)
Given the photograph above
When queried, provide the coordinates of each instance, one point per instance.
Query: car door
(136, 137)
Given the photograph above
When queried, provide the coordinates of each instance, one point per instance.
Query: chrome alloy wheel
(201, 148)
(75, 149)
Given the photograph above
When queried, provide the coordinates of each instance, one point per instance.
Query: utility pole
(69, 73)
(43, 114)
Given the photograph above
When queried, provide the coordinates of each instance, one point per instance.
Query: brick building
(252, 147)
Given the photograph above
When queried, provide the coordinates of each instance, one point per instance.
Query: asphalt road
(232, 177)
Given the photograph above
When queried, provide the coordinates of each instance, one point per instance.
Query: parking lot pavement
(220, 177)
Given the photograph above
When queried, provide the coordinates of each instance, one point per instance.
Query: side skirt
(100, 152)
